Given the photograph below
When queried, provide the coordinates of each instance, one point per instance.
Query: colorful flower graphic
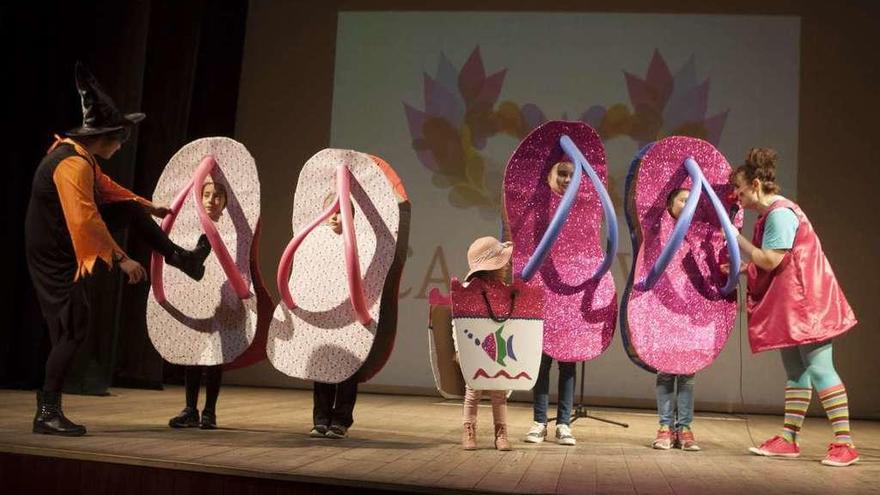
(462, 113)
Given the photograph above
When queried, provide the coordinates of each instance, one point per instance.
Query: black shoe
(318, 431)
(337, 431)
(188, 418)
(50, 419)
(209, 420)
(192, 262)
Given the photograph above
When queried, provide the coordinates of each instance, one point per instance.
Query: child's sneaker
(663, 441)
(337, 431)
(777, 447)
(564, 436)
(685, 440)
(537, 433)
(840, 455)
(318, 431)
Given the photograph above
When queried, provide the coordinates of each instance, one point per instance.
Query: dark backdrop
(179, 62)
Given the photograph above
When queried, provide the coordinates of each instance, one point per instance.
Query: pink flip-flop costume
(679, 308)
(580, 298)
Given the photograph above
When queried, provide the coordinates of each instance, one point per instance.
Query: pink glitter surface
(681, 324)
(580, 316)
(468, 302)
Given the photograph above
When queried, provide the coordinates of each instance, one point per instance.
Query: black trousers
(65, 303)
(193, 377)
(334, 403)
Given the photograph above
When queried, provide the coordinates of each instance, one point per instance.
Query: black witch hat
(100, 114)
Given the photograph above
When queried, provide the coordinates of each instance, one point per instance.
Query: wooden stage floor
(411, 444)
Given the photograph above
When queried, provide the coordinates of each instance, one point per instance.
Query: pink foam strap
(284, 265)
(236, 279)
(341, 204)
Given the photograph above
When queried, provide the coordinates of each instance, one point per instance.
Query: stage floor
(411, 444)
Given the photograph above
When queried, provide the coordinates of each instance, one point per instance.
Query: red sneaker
(840, 455)
(777, 447)
(686, 440)
(664, 439)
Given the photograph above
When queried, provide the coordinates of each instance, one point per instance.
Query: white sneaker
(564, 436)
(537, 433)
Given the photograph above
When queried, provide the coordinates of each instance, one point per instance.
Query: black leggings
(71, 326)
(193, 376)
(134, 215)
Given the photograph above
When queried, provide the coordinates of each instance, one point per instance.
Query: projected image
(461, 112)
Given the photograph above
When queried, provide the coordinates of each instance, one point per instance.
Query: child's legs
(541, 392)
(567, 372)
(666, 399)
(685, 392)
(213, 377)
(499, 406)
(192, 376)
(322, 411)
(343, 406)
(471, 401)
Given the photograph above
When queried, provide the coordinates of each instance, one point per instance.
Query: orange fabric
(392, 177)
(78, 179)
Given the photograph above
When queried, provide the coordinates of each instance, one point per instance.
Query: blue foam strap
(682, 224)
(726, 226)
(555, 225)
(699, 184)
(607, 206)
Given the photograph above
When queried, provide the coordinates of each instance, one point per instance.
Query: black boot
(187, 418)
(50, 418)
(209, 420)
(192, 262)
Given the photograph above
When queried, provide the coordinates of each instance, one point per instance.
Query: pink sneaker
(686, 440)
(840, 455)
(664, 439)
(777, 447)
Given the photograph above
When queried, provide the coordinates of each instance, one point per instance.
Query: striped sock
(797, 400)
(837, 408)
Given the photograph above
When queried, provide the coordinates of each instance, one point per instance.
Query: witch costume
(66, 235)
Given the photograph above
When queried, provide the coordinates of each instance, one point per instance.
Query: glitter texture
(681, 324)
(580, 316)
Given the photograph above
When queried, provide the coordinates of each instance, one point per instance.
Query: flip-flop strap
(607, 206)
(565, 205)
(236, 280)
(726, 225)
(683, 223)
(341, 204)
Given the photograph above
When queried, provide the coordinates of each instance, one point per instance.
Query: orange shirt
(81, 187)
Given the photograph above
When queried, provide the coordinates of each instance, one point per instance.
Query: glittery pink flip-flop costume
(680, 324)
(580, 313)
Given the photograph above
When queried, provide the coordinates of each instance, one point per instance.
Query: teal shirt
(779, 229)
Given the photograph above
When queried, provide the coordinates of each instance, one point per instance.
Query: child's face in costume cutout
(678, 203)
(335, 221)
(214, 200)
(560, 177)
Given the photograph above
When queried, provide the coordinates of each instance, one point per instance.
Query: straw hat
(487, 254)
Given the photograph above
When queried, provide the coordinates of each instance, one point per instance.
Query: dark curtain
(179, 62)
